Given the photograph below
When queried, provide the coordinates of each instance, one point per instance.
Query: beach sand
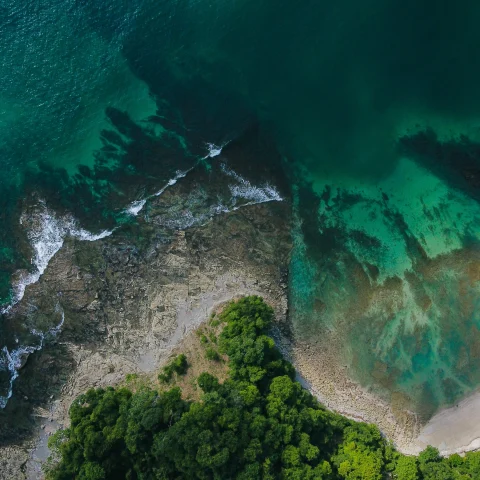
(455, 429)
(451, 430)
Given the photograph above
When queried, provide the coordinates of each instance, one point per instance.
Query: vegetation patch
(212, 354)
(178, 365)
(256, 424)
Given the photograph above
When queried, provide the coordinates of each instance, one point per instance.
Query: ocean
(373, 108)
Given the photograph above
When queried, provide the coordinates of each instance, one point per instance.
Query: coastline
(128, 300)
(332, 386)
(346, 398)
(107, 369)
(133, 297)
(451, 429)
(454, 429)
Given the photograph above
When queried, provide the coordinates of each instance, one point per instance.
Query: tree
(257, 424)
(406, 468)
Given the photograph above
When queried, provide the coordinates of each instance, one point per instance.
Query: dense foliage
(258, 424)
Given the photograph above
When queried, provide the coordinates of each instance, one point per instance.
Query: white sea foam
(245, 190)
(214, 150)
(263, 194)
(49, 232)
(16, 359)
(46, 233)
(136, 207)
(178, 175)
(187, 219)
(46, 238)
(243, 194)
(87, 236)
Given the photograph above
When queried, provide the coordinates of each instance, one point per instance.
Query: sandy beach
(451, 430)
(455, 429)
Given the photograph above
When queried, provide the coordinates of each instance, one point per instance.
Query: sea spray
(214, 150)
(17, 358)
(46, 235)
(245, 190)
(174, 180)
(49, 231)
(136, 206)
(241, 193)
(46, 232)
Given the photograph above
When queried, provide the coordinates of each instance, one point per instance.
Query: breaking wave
(136, 207)
(214, 150)
(245, 190)
(47, 233)
(16, 359)
(241, 194)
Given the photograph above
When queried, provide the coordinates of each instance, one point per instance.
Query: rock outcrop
(128, 299)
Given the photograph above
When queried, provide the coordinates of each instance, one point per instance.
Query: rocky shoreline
(131, 298)
(337, 391)
(128, 299)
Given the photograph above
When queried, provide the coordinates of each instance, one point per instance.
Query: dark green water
(102, 102)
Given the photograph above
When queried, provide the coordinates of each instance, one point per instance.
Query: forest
(257, 424)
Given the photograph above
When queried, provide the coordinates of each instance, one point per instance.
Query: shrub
(178, 365)
(212, 354)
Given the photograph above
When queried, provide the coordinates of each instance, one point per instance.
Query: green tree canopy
(258, 424)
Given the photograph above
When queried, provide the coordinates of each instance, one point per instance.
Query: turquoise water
(373, 107)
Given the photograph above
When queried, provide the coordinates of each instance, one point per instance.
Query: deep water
(373, 106)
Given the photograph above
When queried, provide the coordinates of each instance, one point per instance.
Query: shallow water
(101, 106)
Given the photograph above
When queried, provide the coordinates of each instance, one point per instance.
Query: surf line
(242, 194)
(47, 239)
(50, 233)
(137, 205)
(16, 359)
